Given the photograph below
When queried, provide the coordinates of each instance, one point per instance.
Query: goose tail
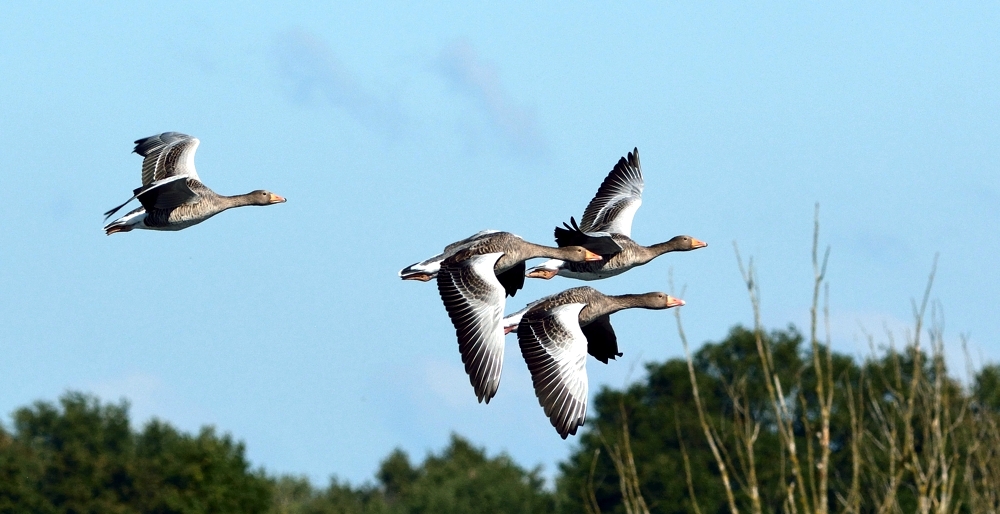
(511, 321)
(114, 228)
(422, 271)
(126, 223)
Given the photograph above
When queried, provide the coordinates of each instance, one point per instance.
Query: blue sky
(395, 129)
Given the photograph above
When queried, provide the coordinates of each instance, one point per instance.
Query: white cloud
(474, 76)
(311, 71)
(149, 397)
(854, 332)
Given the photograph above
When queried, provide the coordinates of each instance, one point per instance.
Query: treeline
(82, 456)
(902, 435)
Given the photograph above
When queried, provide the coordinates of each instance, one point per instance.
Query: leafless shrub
(917, 439)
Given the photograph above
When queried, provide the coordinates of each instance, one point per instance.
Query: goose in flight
(474, 276)
(555, 335)
(605, 229)
(172, 195)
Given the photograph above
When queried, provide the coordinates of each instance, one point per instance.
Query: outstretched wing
(556, 352)
(167, 155)
(616, 201)
(474, 299)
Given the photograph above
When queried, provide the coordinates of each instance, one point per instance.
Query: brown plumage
(172, 195)
(473, 277)
(555, 335)
(606, 227)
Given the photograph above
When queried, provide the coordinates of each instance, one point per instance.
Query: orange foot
(542, 273)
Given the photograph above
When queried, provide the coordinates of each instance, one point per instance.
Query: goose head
(578, 254)
(261, 197)
(686, 243)
(659, 300)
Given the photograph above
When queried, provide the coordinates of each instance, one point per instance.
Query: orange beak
(695, 244)
(277, 199)
(590, 256)
(674, 302)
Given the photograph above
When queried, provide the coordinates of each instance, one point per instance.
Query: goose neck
(653, 251)
(605, 304)
(228, 202)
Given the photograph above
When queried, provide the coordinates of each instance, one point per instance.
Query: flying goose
(606, 227)
(473, 277)
(555, 335)
(172, 195)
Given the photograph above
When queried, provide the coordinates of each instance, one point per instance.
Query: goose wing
(513, 278)
(556, 351)
(163, 194)
(616, 201)
(598, 242)
(474, 299)
(602, 342)
(167, 155)
(168, 194)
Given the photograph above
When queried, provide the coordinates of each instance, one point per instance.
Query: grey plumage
(606, 227)
(172, 195)
(555, 335)
(473, 279)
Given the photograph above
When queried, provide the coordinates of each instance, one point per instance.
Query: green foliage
(463, 480)
(83, 457)
(656, 408)
(986, 388)
(459, 480)
(661, 416)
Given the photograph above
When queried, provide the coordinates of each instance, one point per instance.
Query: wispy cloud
(445, 381)
(461, 65)
(312, 71)
(882, 247)
(312, 74)
(988, 197)
(149, 397)
(864, 334)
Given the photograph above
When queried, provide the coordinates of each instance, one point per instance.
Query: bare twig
(628, 477)
(824, 378)
(709, 435)
(772, 382)
(589, 495)
(687, 465)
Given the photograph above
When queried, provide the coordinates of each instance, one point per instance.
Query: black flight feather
(602, 342)
(513, 279)
(573, 236)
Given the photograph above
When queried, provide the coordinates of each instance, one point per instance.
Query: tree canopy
(81, 456)
(461, 479)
